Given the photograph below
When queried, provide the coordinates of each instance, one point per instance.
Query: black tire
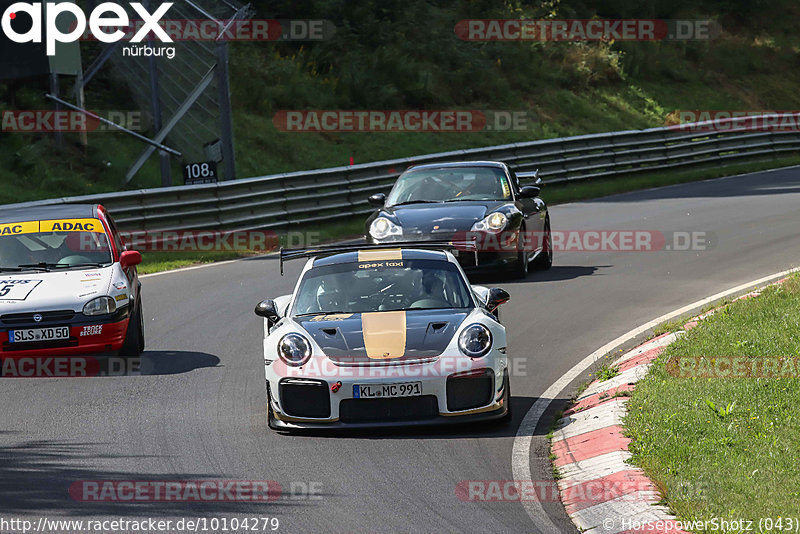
(545, 259)
(134, 337)
(270, 414)
(507, 401)
(519, 269)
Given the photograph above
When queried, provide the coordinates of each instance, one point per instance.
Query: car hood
(55, 290)
(447, 217)
(383, 337)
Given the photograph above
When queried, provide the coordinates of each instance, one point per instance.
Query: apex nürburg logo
(102, 20)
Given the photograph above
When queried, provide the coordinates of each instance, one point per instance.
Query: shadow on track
(45, 477)
(556, 273)
(160, 362)
(173, 362)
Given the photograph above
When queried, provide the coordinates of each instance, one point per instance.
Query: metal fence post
(226, 120)
(155, 100)
(54, 89)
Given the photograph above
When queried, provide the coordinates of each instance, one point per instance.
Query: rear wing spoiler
(534, 175)
(287, 254)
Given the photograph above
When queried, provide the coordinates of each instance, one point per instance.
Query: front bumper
(439, 420)
(445, 396)
(95, 338)
(486, 262)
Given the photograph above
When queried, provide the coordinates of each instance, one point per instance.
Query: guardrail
(281, 200)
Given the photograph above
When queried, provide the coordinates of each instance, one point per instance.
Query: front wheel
(134, 337)
(270, 414)
(506, 401)
(545, 258)
(519, 269)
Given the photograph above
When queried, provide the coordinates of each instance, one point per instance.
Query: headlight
(475, 341)
(294, 349)
(492, 223)
(100, 306)
(381, 228)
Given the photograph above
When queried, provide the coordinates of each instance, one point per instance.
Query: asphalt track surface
(198, 410)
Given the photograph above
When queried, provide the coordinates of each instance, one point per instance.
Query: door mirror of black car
(530, 191)
(496, 297)
(378, 199)
(267, 310)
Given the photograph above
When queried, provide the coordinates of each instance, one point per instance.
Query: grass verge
(725, 448)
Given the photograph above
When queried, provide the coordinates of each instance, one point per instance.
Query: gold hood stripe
(384, 334)
(380, 255)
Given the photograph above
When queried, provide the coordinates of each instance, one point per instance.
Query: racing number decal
(17, 289)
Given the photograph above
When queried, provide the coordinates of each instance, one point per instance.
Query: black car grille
(302, 397)
(48, 317)
(388, 410)
(470, 390)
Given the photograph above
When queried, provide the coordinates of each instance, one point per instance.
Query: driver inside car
(330, 297)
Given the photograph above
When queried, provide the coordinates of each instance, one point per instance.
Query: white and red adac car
(68, 286)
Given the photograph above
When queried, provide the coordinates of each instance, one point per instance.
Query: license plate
(32, 335)
(384, 391)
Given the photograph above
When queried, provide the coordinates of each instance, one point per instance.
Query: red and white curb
(600, 491)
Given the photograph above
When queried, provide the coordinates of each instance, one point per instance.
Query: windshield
(24, 250)
(450, 184)
(365, 287)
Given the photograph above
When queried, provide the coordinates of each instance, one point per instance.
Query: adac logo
(102, 22)
(68, 226)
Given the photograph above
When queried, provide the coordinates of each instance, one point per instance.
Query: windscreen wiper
(10, 269)
(41, 266)
(66, 265)
(322, 313)
(407, 202)
(48, 266)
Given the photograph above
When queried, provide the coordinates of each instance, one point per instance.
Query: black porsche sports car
(476, 200)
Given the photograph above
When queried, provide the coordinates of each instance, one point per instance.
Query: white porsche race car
(384, 337)
(68, 286)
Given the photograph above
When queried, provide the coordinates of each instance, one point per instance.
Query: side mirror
(129, 258)
(267, 310)
(530, 191)
(497, 297)
(378, 200)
